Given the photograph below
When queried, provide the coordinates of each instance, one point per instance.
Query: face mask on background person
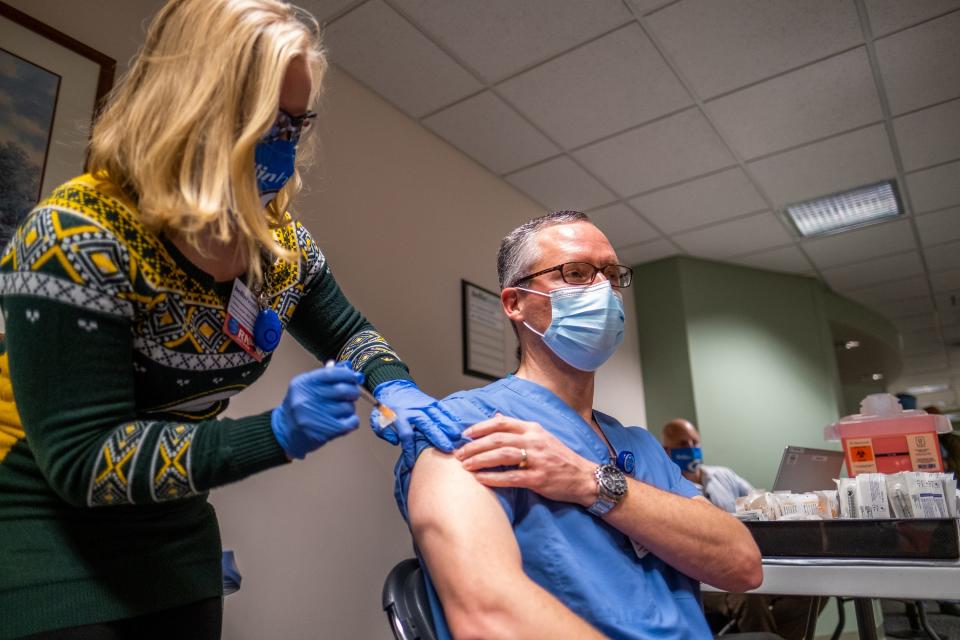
(586, 326)
(687, 458)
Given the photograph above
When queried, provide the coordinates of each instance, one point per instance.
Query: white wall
(402, 217)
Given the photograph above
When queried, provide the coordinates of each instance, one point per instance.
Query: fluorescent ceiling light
(927, 388)
(842, 211)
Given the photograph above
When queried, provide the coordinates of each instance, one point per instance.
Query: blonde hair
(179, 131)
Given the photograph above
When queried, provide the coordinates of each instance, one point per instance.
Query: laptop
(805, 469)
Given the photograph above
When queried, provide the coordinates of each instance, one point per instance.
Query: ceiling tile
(622, 225)
(655, 155)
(724, 45)
(951, 334)
(945, 281)
(711, 199)
(860, 244)
(646, 252)
(831, 96)
(561, 184)
(896, 290)
(926, 322)
(890, 15)
(935, 188)
(930, 136)
(382, 50)
(645, 6)
(874, 271)
(922, 340)
(948, 304)
(903, 308)
(921, 66)
(575, 104)
(789, 259)
(943, 257)
(940, 226)
(323, 10)
(492, 133)
(926, 363)
(500, 37)
(836, 164)
(745, 235)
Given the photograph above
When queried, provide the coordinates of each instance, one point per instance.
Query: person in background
(783, 615)
(138, 299)
(720, 485)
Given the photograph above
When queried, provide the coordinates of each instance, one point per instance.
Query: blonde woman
(138, 298)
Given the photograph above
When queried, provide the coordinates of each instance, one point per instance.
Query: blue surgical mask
(586, 325)
(275, 164)
(687, 458)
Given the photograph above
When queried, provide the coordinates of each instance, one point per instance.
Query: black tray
(928, 539)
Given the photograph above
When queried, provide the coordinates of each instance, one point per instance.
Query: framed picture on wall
(50, 87)
(489, 346)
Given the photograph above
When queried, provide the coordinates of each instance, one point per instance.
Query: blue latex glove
(319, 407)
(415, 411)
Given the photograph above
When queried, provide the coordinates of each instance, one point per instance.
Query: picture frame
(489, 347)
(51, 86)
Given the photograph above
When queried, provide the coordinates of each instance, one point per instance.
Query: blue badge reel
(626, 462)
(267, 330)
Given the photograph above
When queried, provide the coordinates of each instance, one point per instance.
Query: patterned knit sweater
(118, 364)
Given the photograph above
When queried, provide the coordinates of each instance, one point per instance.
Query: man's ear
(510, 299)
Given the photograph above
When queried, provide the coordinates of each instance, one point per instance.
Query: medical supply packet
(872, 496)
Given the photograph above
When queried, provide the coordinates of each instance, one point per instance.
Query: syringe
(387, 415)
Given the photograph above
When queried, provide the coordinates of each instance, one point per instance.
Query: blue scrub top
(587, 564)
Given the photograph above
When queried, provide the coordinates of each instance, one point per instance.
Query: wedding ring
(523, 459)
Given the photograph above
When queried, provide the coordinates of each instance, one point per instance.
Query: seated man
(720, 485)
(783, 615)
(529, 530)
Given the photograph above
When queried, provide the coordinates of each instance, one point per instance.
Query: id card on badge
(242, 313)
(639, 549)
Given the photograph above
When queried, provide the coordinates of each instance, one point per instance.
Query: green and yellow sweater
(116, 358)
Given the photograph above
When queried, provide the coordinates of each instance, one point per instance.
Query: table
(862, 579)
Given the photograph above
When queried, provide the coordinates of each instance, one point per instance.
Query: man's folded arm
(474, 561)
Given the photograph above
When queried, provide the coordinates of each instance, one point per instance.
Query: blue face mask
(687, 458)
(586, 326)
(275, 163)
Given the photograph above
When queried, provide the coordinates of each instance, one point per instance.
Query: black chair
(408, 608)
(406, 603)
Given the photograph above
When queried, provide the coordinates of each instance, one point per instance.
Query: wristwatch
(611, 487)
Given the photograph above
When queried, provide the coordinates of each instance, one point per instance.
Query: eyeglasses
(581, 273)
(288, 127)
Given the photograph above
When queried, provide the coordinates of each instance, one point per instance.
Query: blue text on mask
(275, 162)
(687, 458)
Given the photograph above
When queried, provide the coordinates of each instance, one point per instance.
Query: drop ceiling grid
(663, 238)
(879, 79)
(494, 89)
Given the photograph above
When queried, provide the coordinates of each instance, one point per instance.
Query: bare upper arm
(462, 532)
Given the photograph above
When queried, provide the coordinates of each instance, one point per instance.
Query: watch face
(613, 480)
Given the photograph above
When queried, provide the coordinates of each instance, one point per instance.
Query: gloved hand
(319, 407)
(415, 411)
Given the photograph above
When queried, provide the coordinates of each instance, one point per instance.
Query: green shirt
(118, 363)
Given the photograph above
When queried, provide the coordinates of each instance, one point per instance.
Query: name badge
(242, 311)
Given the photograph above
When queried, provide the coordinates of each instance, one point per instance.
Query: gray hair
(518, 251)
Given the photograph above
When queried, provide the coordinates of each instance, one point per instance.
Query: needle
(387, 415)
